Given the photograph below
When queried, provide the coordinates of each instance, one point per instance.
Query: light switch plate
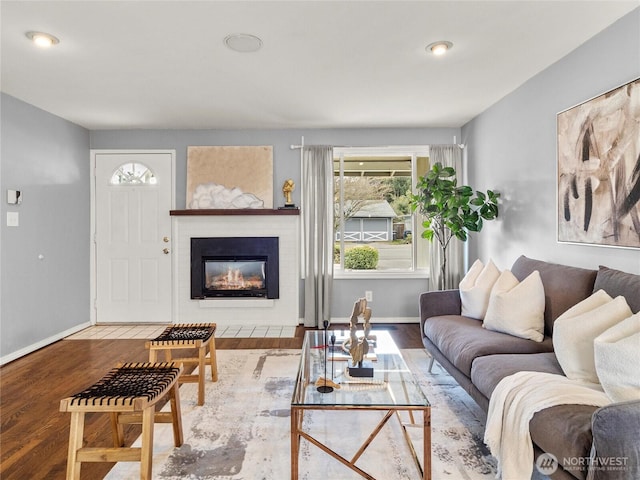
(14, 197)
(13, 219)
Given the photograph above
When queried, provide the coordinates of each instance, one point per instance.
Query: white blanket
(514, 402)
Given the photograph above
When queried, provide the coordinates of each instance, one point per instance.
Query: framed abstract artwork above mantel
(599, 169)
(229, 177)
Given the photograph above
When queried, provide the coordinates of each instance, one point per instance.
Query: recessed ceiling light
(41, 39)
(243, 42)
(439, 48)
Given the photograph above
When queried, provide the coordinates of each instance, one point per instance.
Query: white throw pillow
(575, 330)
(617, 357)
(475, 288)
(517, 308)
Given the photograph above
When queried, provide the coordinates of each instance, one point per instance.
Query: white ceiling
(163, 64)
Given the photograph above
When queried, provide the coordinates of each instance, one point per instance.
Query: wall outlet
(368, 296)
(13, 219)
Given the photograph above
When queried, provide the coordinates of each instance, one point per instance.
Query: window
(133, 174)
(373, 222)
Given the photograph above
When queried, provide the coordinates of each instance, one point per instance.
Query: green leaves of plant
(449, 210)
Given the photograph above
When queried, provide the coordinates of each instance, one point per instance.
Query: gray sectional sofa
(479, 358)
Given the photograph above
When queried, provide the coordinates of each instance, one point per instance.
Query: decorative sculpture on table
(358, 347)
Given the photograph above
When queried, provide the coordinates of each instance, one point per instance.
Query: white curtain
(448, 156)
(317, 233)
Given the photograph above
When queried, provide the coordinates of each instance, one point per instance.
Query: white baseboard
(42, 343)
(346, 320)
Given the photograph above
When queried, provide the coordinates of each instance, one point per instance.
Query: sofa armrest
(439, 302)
(616, 454)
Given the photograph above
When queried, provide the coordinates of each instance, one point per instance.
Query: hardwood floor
(34, 434)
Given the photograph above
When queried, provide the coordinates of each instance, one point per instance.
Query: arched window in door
(133, 174)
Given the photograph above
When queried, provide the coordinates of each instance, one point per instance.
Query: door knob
(165, 251)
(165, 239)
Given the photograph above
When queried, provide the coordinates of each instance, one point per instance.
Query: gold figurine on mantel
(287, 188)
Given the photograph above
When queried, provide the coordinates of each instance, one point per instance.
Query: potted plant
(450, 211)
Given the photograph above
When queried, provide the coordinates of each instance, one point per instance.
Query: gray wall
(512, 148)
(392, 298)
(47, 158)
(286, 162)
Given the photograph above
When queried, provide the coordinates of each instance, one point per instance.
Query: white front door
(133, 194)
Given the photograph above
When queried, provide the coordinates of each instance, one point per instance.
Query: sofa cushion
(462, 339)
(565, 431)
(615, 430)
(616, 283)
(487, 371)
(517, 308)
(564, 286)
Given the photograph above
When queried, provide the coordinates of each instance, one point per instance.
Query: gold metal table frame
(398, 393)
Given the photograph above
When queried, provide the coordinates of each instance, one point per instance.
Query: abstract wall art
(226, 177)
(599, 169)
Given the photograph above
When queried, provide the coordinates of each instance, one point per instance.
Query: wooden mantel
(233, 211)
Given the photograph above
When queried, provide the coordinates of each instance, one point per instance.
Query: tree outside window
(373, 222)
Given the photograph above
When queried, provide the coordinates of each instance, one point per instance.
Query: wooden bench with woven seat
(129, 393)
(199, 336)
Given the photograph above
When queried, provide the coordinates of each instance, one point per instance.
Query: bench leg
(176, 414)
(153, 355)
(212, 359)
(76, 432)
(146, 454)
(117, 430)
(202, 358)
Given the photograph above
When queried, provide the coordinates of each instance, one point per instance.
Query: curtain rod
(297, 147)
(459, 145)
(294, 147)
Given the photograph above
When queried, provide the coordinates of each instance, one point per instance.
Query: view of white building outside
(372, 195)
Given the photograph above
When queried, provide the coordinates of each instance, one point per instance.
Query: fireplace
(231, 267)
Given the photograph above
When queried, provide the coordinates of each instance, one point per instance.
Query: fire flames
(233, 279)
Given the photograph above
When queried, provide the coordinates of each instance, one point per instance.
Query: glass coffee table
(392, 389)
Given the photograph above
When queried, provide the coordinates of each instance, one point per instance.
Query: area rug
(243, 430)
